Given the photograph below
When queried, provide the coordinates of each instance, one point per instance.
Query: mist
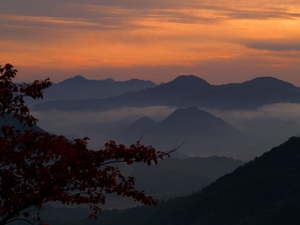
(98, 126)
(270, 125)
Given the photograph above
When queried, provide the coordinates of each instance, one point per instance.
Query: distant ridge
(78, 87)
(183, 91)
(265, 82)
(74, 80)
(193, 121)
(202, 133)
(140, 126)
(163, 94)
(182, 122)
(247, 95)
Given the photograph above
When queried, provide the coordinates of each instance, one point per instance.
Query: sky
(221, 41)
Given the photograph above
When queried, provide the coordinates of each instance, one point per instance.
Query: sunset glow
(220, 41)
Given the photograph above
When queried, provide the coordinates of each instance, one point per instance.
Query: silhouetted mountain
(202, 133)
(189, 121)
(183, 91)
(193, 121)
(79, 88)
(162, 94)
(263, 191)
(140, 126)
(248, 95)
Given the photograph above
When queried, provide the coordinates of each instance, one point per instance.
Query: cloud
(215, 70)
(156, 40)
(124, 14)
(68, 121)
(275, 46)
(100, 127)
(273, 124)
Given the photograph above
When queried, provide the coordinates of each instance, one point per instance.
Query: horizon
(220, 41)
(133, 78)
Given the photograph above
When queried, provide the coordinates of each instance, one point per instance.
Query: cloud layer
(100, 39)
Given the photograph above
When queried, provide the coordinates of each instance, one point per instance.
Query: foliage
(263, 191)
(37, 167)
(12, 95)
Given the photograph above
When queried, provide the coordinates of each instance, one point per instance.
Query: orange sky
(219, 41)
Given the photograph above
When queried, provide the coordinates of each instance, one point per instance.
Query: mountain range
(81, 88)
(183, 91)
(201, 133)
(263, 191)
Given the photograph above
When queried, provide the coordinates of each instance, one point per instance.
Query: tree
(38, 167)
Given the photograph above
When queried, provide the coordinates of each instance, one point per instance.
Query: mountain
(184, 91)
(248, 95)
(193, 121)
(140, 126)
(202, 133)
(189, 121)
(263, 191)
(162, 94)
(80, 88)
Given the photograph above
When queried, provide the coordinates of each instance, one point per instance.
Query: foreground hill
(174, 176)
(263, 191)
(187, 91)
(169, 178)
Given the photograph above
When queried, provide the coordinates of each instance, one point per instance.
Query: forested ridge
(263, 191)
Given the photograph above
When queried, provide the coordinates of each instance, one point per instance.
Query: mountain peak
(193, 121)
(109, 80)
(189, 79)
(268, 82)
(78, 78)
(74, 80)
(140, 125)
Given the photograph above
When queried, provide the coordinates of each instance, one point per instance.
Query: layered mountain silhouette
(193, 121)
(183, 91)
(202, 133)
(184, 122)
(79, 88)
(248, 95)
(263, 191)
(163, 94)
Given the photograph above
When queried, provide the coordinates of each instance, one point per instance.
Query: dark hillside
(169, 178)
(263, 191)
